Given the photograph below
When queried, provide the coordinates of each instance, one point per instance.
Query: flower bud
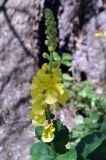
(51, 49)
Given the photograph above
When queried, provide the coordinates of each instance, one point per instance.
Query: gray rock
(95, 50)
(78, 22)
(67, 16)
(19, 48)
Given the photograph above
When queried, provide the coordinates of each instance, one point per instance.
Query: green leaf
(103, 104)
(95, 116)
(89, 143)
(56, 56)
(99, 153)
(66, 84)
(86, 90)
(38, 131)
(79, 120)
(58, 124)
(67, 77)
(66, 63)
(77, 134)
(81, 105)
(66, 57)
(103, 127)
(61, 136)
(70, 155)
(41, 151)
(91, 125)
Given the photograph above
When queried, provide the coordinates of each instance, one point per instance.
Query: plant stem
(48, 114)
(49, 121)
(51, 59)
(48, 108)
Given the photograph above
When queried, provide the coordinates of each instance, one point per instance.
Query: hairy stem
(48, 114)
(51, 62)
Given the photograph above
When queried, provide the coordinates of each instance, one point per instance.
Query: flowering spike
(47, 89)
(51, 31)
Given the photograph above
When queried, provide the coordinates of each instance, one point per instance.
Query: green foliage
(44, 151)
(65, 58)
(85, 126)
(103, 103)
(41, 151)
(90, 106)
(61, 137)
(38, 131)
(83, 96)
(89, 143)
(93, 147)
(70, 155)
(58, 124)
(51, 31)
(99, 153)
(103, 127)
(56, 56)
(67, 77)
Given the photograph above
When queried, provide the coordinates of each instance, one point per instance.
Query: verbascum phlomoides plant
(48, 93)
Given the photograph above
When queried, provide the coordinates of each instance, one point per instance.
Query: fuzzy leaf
(38, 131)
(67, 77)
(56, 56)
(70, 155)
(66, 56)
(89, 143)
(41, 151)
(66, 63)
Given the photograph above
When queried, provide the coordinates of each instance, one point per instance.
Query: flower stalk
(47, 89)
(48, 114)
(51, 59)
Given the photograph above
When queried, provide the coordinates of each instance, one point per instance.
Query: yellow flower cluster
(48, 133)
(46, 89)
(101, 34)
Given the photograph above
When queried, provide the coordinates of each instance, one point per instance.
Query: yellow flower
(38, 119)
(53, 92)
(99, 34)
(48, 133)
(57, 107)
(38, 107)
(60, 88)
(46, 89)
(38, 112)
(64, 97)
(57, 73)
(51, 96)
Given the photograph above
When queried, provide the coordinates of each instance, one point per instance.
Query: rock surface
(19, 48)
(78, 21)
